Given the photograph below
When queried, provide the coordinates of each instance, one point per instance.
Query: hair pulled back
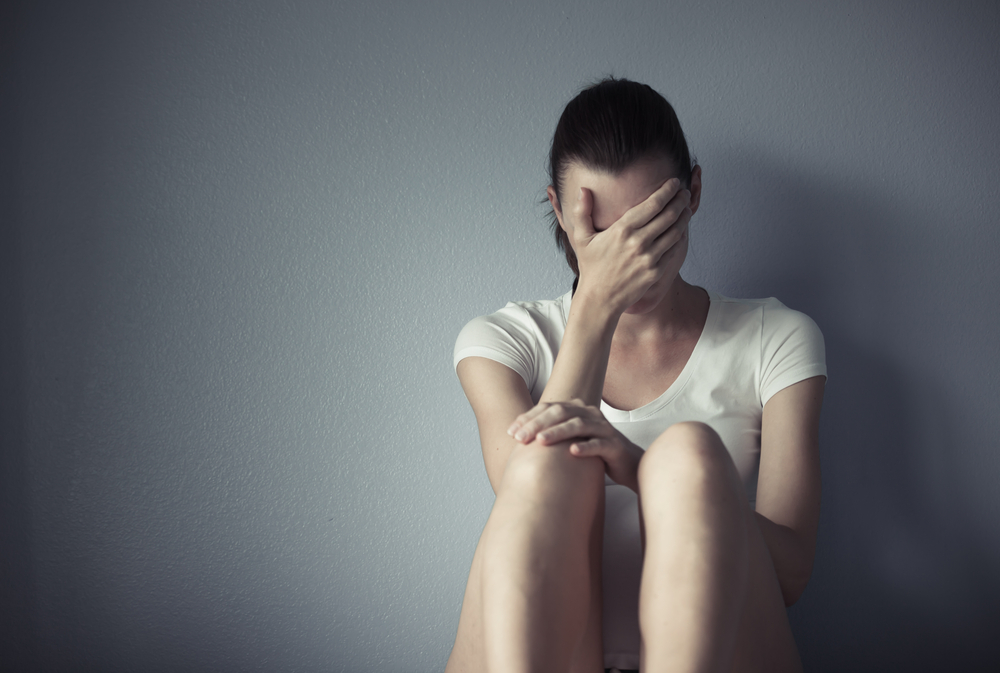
(609, 126)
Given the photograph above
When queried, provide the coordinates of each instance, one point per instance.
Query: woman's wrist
(597, 305)
(578, 372)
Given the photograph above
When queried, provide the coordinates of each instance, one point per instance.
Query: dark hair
(610, 126)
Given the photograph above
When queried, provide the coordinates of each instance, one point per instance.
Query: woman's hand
(624, 260)
(590, 432)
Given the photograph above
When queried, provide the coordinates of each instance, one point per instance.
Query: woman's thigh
(764, 640)
(468, 653)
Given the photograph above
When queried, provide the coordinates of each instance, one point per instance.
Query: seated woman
(653, 445)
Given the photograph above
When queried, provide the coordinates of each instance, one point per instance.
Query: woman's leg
(535, 578)
(709, 598)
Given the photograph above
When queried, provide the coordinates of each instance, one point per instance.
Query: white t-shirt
(749, 349)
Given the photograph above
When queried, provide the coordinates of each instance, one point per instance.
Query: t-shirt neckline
(666, 397)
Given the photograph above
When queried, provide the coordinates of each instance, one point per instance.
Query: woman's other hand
(591, 433)
(624, 260)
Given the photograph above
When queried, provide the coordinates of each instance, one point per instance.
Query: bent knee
(688, 433)
(538, 466)
(691, 451)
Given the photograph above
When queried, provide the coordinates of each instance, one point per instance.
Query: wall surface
(239, 239)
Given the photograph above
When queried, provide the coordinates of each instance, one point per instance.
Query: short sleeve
(505, 337)
(792, 349)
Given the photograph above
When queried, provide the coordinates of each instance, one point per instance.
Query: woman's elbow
(792, 588)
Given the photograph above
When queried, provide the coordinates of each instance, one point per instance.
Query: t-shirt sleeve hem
(491, 354)
(791, 377)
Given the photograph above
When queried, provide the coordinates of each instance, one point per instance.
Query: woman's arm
(617, 265)
(582, 362)
(499, 395)
(788, 485)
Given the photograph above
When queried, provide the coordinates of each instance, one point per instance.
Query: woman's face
(616, 194)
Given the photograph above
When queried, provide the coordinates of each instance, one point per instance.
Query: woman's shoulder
(516, 335)
(746, 302)
(786, 344)
(769, 313)
(540, 313)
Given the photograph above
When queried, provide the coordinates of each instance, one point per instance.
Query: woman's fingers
(573, 427)
(666, 218)
(663, 228)
(641, 215)
(541, 417)
(525, 418)
(595, 446)
(582, 213)
(671, 237)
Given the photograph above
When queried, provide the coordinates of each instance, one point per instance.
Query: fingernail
(542, 436)
(520, 435)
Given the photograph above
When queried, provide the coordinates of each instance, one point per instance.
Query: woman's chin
(652, 298)
(644, 305)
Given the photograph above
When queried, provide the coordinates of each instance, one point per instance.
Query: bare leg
(695, 564)
(530, 596)
(590, 652)
(709, 598)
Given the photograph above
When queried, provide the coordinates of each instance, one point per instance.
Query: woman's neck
(679, 314)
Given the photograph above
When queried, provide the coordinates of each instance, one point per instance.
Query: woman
(653, 446)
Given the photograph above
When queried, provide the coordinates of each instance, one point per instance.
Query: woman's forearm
(582, 361)
(792, 560)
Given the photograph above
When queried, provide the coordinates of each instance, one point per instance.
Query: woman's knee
(536, 466)
(690, 451)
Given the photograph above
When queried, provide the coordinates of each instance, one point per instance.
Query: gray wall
(240, 238)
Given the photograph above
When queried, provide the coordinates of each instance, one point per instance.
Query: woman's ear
(554, 200)
(695, 189)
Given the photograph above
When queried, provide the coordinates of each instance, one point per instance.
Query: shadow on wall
(903, 579)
